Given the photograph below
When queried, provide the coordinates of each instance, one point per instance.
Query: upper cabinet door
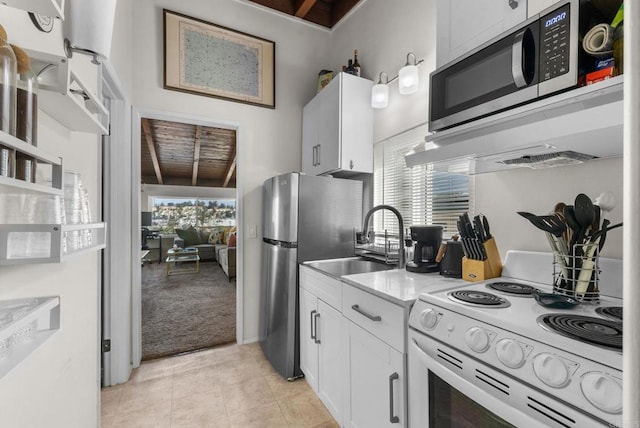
(466, 24)
(337, 128)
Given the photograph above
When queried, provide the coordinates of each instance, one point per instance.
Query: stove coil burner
(513, 288)
(596, 331)
(479, 298)
(614, 312)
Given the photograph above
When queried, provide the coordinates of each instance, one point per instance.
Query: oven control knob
(550, 370)
(602, 391)
(429, 318)
(510, 353)
(477, 339)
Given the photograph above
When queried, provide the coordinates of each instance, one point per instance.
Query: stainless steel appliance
(304, 218)
(541, 56)
(488, 354)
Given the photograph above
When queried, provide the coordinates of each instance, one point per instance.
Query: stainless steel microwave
(541, 56)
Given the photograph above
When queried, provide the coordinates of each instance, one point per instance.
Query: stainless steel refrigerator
(304, 218)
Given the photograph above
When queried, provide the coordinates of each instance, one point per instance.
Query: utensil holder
(579, 277)
(479, 270)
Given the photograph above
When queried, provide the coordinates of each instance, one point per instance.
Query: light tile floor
(227, 386)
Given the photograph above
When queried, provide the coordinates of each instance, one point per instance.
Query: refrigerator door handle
(311, 329)
(314, 155)
(319, 147)
(316, 339)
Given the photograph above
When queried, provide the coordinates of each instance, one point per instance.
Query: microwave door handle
(516, 60)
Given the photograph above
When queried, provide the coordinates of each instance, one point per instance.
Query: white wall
(383, 32)
(270, 139)
(501, 195)
(58, 384)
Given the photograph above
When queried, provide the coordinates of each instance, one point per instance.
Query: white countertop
(399, 286)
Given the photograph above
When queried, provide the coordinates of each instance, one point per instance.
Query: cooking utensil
(606, 201)
(487, 229)
(570, 219)
(584, 215)
(556, 301)
(589, 249)
(553, 228)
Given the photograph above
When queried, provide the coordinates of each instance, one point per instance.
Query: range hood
(568, 128)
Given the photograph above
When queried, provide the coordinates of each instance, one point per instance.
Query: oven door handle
(392, 417)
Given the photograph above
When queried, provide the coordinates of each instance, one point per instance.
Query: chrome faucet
(365, 228)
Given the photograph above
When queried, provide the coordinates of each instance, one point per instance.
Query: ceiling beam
(196, 157)
(146, 129)
(231, 166)
(304, 8)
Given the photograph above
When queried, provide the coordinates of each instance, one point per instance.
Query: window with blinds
(423, 195)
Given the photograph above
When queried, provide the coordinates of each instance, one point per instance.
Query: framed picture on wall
(208, 59)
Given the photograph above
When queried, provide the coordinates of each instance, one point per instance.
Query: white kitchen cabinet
(536, 6)
(463, 25)
(377, 380)
(374, 345)
(321, 343)
(337, 128)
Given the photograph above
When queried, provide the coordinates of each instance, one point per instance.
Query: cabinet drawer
(321, 286)
(376, 315)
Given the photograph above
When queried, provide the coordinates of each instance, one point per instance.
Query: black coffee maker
(427, 240)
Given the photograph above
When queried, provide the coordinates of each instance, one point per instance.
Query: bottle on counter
(356, 65)
(8, 78)
(26, 115)
(350, 67)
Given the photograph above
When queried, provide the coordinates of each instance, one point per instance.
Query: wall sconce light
(380, 92)
(408, 83)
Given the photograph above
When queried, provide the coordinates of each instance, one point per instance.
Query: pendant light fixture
(408, 83)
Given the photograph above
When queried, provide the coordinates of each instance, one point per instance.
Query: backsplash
(500, 195)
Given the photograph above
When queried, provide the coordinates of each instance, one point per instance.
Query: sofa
(226, 251)
(194, 238)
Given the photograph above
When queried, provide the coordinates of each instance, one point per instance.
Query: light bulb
(380, 96)
(408, 79)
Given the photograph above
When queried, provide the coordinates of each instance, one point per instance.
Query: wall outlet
(252, 233)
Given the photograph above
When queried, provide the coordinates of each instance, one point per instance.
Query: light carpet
(185, 312)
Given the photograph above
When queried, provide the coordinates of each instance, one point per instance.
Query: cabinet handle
(319, 147)
(371, 317)
(392, 417)
(313, 155)
(513, 4)
(315, 338)
(313, 333)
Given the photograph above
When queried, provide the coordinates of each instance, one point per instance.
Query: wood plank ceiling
(322, 12)
(182, 154)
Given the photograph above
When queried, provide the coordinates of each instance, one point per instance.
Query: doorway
(165, 133)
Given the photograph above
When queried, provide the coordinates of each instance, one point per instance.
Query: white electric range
(488, 355)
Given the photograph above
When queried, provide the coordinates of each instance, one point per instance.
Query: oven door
(449, 389)
(502, 74)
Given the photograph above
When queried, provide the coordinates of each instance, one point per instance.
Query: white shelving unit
(51, 8)
(13, 184)
(69, 88)
(48, 243)
(44, 311)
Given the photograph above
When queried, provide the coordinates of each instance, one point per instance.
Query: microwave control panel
(554, 43)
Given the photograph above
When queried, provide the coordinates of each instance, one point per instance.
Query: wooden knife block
(479, 270)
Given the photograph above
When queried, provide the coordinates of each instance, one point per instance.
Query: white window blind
(423, 195)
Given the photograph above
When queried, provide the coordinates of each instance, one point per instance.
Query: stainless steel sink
(348, 266)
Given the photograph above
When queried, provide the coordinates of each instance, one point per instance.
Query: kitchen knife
(479, 229)
(485, 224)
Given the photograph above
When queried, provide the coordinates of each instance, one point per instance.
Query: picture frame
(208, 59)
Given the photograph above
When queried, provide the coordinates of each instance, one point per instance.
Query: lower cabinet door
(308, 308)
(331, 378)
(377, 382)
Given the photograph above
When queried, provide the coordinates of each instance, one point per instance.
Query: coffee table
(176, 257)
